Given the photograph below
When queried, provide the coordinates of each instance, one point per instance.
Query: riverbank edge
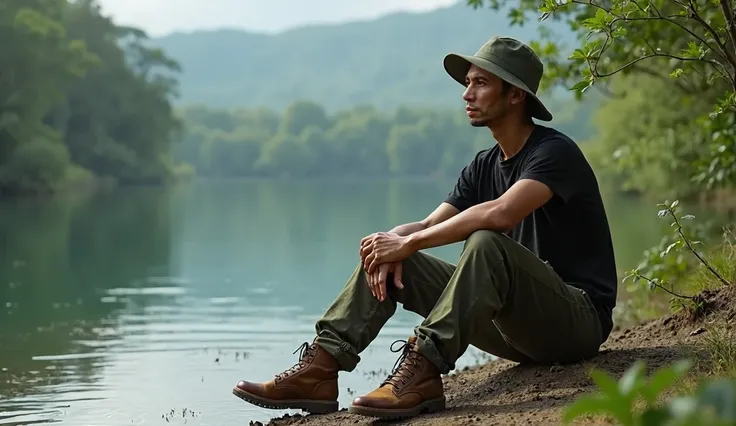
(503, 392)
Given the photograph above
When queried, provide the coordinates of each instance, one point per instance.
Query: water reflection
(58, 257)
(148, 304)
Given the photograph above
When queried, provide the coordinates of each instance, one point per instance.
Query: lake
(146, 305)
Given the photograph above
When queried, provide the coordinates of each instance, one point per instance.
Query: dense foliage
(305, 141)
(80, 97)
(670, 68)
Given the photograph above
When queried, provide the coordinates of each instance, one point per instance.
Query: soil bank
(505, 393)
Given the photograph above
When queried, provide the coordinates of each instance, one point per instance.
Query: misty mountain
(389, 61)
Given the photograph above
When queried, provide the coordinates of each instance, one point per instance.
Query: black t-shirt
(571, 230)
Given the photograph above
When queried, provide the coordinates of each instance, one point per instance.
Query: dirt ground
(505, 393)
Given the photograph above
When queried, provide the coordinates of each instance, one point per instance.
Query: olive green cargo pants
(500, 297)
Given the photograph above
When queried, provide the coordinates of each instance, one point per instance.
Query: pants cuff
(344, 354)
(429, 350)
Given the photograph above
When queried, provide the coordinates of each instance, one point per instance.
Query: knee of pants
(484, 239)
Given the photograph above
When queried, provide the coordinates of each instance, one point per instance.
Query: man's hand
(383, 247)
(377, 280)
(366, 246)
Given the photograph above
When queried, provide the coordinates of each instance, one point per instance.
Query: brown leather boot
(310, 385)
(413, 388)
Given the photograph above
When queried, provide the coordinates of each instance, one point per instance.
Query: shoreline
(501, 392)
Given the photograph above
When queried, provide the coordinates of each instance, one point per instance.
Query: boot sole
(310, 406)
(426, 407)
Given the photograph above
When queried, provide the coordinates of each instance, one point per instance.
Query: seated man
(536, 280)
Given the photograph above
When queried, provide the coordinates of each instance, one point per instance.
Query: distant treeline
(80, 99)
(362, 141)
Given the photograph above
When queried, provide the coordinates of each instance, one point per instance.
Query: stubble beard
(490, 117)
(481, 121)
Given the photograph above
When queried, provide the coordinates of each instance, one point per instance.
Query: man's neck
(511, 136)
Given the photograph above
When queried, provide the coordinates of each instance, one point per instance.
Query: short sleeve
(465, 193)
(555, 163)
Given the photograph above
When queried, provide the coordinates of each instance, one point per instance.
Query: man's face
(486, 101)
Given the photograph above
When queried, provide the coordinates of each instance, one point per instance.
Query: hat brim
(457, 67)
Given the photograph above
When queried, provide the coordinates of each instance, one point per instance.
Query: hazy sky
(163, 16)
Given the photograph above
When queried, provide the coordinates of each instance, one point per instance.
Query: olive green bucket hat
(508, 59)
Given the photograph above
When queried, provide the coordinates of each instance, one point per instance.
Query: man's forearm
(488, 215)
(408, 228)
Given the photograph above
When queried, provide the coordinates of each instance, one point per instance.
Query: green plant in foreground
(712, 404)
(660, 265)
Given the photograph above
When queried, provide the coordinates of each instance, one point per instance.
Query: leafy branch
(670, 210)
(706, 45)
(656, 283)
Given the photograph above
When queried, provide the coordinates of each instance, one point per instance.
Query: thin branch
(727, 54)
(730, 25)
(590, 3)
(653, 55)
(702, 40)
(658, 285)
(692, 249)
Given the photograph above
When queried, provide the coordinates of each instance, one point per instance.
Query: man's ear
(517, 96)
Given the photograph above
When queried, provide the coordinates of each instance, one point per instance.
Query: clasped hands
(381, 254)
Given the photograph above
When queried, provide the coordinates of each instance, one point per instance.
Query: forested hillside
(80, 97)
(391, 61)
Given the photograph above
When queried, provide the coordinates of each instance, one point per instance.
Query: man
(536, 280)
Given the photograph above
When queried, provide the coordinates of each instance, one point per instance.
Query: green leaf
(632, 379)
(663, 378)
(674, 204)
(655, 416)
(586, 405)
(577, 54)
(581, 86)
(606, 383)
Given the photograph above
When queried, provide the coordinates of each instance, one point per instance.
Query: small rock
(556, 368)
(697, 331)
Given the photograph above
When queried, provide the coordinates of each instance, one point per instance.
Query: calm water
(129, 307)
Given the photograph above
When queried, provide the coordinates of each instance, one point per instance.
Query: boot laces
(406, 366)
(306, 354)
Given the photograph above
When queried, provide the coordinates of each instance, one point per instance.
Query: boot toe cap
(247, 386)
(372, 402)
